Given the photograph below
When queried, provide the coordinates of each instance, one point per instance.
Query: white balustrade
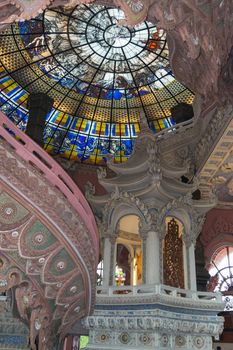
(157, 289)
(174, 130)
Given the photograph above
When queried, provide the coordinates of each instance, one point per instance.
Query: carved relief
(173, 264)
(52, 284)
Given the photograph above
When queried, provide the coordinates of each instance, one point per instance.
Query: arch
(216, 245)
(183, 212)
(122, 205)
(128, 235)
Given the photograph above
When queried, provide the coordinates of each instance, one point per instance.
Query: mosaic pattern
(99, 74)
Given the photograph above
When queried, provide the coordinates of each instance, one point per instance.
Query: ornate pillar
(112, 240)
(106, 261)
(144, 238)
(190, 242)
(192, 267)
(151, 256)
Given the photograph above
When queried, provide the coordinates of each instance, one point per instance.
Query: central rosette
(117, 36)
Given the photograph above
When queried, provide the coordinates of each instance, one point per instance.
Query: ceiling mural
(100, 75)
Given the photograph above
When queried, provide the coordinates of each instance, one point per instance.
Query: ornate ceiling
(100, 75)
(47, 253)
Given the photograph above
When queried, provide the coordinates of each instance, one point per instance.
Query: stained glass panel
(100, 75)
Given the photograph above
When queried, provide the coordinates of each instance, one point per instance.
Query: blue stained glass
(103, 146)
(18, 95)
(126, 146)
(107, 130)
(4, 79)
(152, 126)
(117, 95)
(133, 130)
(80, 143)
(113, 130)
(93, 128)
(166, 123)
(99, 79)
(126, 130)
(171, 121)
(88, 124)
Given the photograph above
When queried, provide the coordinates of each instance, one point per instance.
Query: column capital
(197, 222)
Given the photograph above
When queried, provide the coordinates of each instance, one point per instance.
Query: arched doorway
(128, 252)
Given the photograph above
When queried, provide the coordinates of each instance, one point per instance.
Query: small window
(221, 272)
(99, 272)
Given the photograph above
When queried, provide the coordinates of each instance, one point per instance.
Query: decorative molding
(154, 327)
(148, 323)
(67, 261)
(119, 198)
(216, 128)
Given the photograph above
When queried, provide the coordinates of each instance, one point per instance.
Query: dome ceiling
(99, 74)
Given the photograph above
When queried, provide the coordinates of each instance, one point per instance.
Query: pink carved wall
(83, 174)
(217, 232)
(41, 206)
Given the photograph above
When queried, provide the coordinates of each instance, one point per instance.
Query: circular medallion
(198, 342)
(145, 339)
(77, 309)
(124, 337)
(15, 234)
(38, 238)
(8, 210)
(61, 265)
(73, 289)
(41, 261)
(180, 340)
(164, 340)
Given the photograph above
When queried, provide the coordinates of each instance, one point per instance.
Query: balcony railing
(156, 289)
(175, 129)
(31, 152)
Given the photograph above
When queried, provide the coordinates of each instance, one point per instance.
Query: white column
(106, 261)
(113, 258)
(152, 258)
(192, 267)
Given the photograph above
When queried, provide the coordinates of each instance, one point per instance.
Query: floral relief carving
(46, 255)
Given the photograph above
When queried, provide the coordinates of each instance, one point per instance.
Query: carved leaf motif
(58, 267)
(70, 290)
(36, 240)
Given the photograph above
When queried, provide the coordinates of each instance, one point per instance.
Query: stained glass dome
(100, 75)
